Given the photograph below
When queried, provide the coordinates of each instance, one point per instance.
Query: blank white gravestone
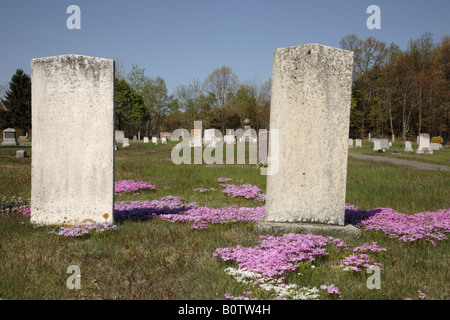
(311, 95)
(72, 179)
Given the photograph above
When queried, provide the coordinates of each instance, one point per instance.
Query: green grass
(162, 260)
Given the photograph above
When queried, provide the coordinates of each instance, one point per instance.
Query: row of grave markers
(423, 140)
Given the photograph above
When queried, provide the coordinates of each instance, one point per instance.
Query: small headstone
(145, 139)
(350, 143)
(376, 145)
(369, 136)
(22, 139)
(163, 140)
(384, 143)
(139, 136)
(263, 145)
(134, 139)
(155, 140)
(9, 137)
(358, 143)
(196, 138)
(209, 137)
(424, 144)
(167, 135)
(435, 146)
(408, 146)
(390, 144)
(119, 135)
(229, 139)
(21, 153)
(126, 142)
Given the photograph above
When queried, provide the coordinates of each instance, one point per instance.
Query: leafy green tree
(155, 95)
(18, 101)
(130, 108)
(247, 104)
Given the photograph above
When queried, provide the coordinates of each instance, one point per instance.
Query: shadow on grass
(354, 216)
(144, 214)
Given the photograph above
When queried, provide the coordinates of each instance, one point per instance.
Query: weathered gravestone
(21, 154)
(350, 143)
(424, 144)
(134, 139)
(166, 135)
(358, 143)
(209, 138)
(263, 145)
(119, 135)
(311, 95)
(145, 139)
(384, 143)
(9, 137)
(196, 137)
(376, 145)
(435, 146)
(408, 146)
(155, 140)
(125, 142)
(72, 184)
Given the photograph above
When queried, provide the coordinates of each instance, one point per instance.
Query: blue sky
(182, 40)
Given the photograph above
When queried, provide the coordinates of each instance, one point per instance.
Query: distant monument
(9, 137)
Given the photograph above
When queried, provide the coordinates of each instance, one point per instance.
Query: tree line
(400, 92)
(394, 91)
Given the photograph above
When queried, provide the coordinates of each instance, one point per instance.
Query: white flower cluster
(275, 286)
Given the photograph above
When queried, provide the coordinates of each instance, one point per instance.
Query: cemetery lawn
(159, 260)
(441, 157)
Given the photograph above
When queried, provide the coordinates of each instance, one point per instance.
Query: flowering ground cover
(429, 226)
(245, 190)
(124, 186)
(81, 230)
(262, 269)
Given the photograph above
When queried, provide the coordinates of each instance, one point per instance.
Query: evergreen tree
(18, 101)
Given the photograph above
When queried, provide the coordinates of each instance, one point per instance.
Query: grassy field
(161, 260)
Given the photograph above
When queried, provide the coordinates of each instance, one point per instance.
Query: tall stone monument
(311, 98)
(72, 183)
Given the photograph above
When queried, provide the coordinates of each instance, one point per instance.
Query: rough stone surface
(311, 95)
(72, 183)
(305, 228)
